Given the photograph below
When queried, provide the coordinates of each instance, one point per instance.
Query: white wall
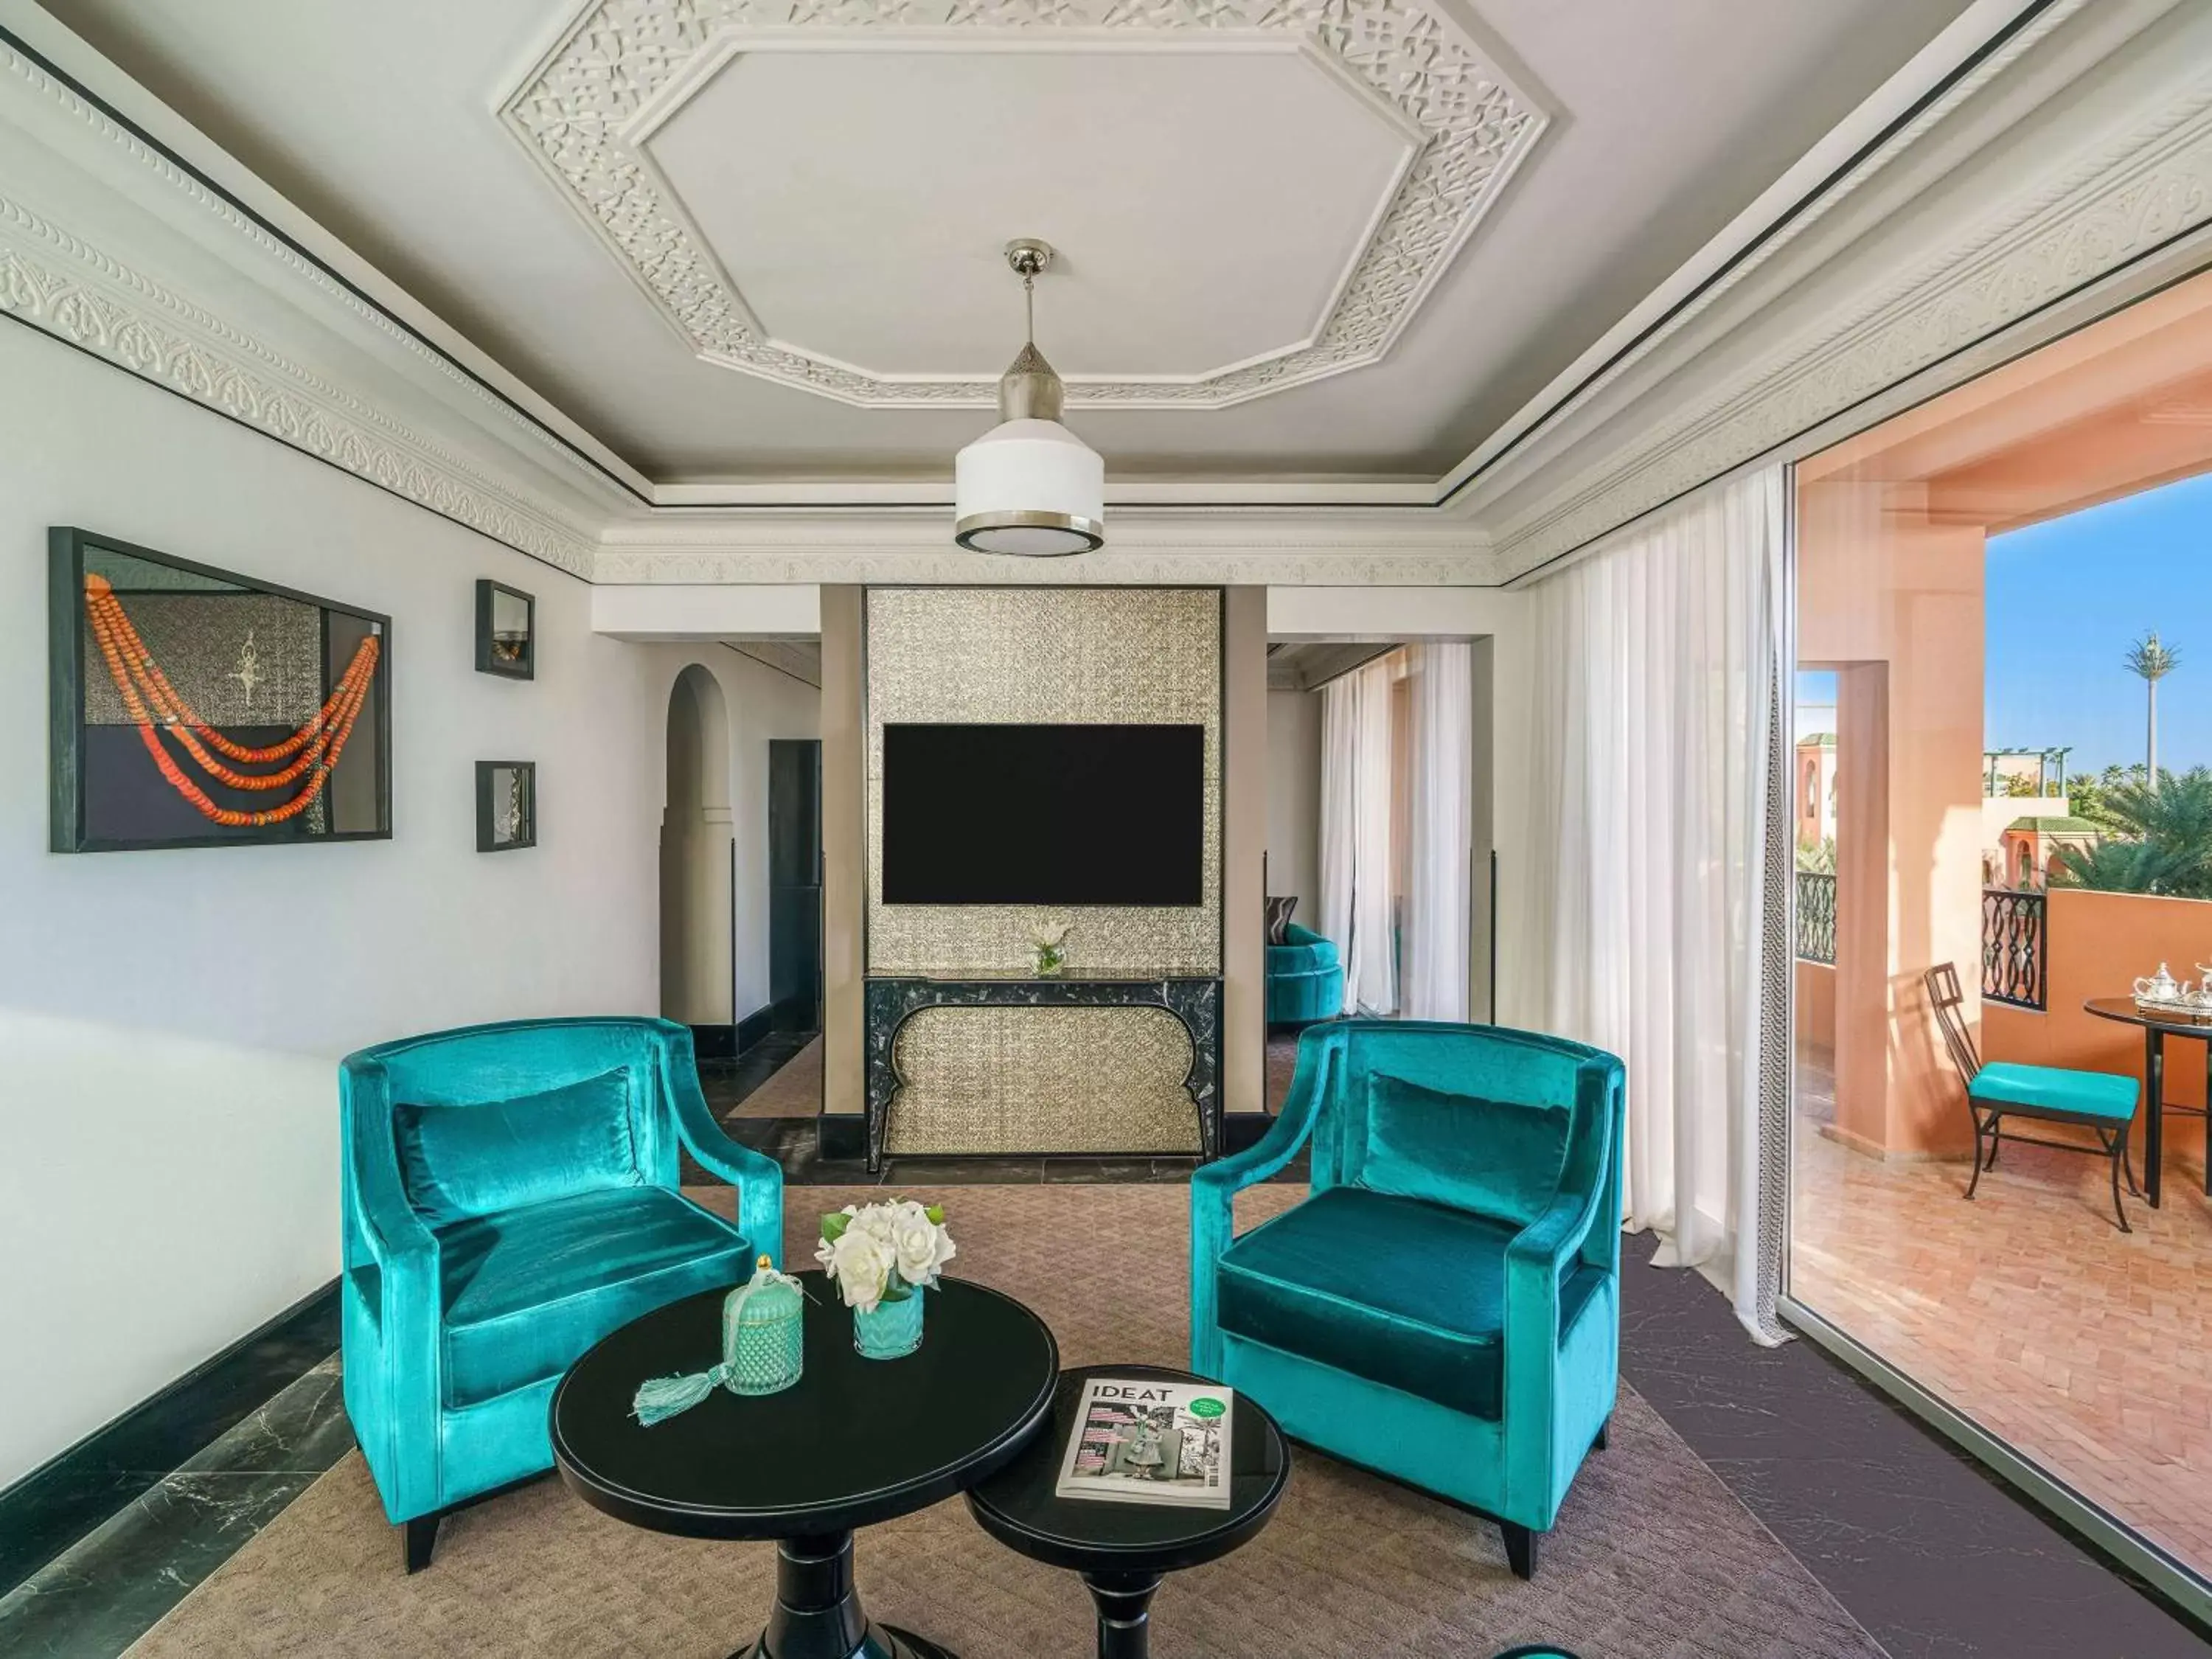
(170, 1022)
(760, 702)
(1294, 798)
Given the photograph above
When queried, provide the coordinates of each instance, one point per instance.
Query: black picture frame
(495, 653)
(73, 765)
(489, 827)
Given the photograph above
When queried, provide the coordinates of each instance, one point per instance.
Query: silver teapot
(2160, 986)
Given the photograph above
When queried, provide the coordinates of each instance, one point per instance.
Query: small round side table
(1123, 1550)
(853, 1443)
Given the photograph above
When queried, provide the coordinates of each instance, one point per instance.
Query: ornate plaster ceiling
(761, 169)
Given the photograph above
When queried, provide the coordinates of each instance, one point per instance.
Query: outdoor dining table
(2156, 1029)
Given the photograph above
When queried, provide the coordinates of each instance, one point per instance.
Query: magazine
(1142, 1440)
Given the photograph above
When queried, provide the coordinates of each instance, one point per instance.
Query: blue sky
(2066, 599)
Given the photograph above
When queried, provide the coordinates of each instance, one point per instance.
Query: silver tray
(2183, 1010)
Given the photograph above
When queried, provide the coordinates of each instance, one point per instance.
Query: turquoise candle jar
(763, 1323)
(892, 1331)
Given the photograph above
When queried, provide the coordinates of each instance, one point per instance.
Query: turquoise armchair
(510, 1196)
(1305, 981)
(1443, 1308)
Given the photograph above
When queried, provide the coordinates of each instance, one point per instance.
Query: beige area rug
(792, 1090)
(1652, 1558)
(1282, 1066)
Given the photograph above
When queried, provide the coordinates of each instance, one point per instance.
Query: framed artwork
(507, 805)
(507, 631)
(193, 707)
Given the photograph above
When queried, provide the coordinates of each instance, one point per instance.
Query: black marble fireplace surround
(1196, 1001)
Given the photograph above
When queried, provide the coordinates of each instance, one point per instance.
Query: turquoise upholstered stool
(1305, 981)
(2102, 1103)
(509, 1198)
(1444, 1308)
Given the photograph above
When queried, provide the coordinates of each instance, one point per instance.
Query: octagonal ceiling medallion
(1453, 128)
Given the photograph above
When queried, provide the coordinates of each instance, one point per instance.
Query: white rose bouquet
(1049, 941)
(886, 1252)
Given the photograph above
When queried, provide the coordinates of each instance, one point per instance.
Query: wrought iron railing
(1816, 917)
(2013, 947)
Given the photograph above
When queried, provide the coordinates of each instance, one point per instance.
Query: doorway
(697, 916)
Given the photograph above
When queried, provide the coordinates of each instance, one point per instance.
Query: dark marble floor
(791, 1142)
(725, 1083)
(1930, 1552)
(102, 1593)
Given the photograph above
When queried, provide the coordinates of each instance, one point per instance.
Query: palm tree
(2169, 846)
(2151, 662)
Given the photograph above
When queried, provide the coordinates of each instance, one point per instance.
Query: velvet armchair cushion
(1499, 1159)
(1403, 1292)
(525, 1290)
(459, 1161)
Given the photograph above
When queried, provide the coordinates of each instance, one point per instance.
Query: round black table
(2156, 1029)
(854, 1442)
(1121, 1549)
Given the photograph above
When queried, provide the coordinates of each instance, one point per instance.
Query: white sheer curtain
(1656, 664)
(1340, 795)
(1442, 677)
(1355, 835)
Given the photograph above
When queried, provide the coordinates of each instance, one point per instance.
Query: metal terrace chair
(2102, 1103)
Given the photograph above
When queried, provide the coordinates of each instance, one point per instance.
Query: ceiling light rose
(1029, 486)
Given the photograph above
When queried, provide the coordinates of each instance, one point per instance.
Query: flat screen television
(1074, 815)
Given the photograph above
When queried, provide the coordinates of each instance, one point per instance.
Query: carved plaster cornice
(2118, 201)
(802, 561)
(92, 117)
(624, 62)
(63, 285)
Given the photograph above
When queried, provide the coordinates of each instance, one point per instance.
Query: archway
(696, 919)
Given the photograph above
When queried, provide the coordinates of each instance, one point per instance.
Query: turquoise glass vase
(892, 1331)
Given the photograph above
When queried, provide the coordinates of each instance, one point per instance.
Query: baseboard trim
(714, 1041)
(841, 1136)
(72, 1493)
(755, 1026)
(1242, 1129)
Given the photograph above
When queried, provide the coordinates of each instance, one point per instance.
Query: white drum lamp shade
(1029, 487)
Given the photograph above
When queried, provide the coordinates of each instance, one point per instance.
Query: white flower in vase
(884, 1252)
(920, 1244)
(1048, 939)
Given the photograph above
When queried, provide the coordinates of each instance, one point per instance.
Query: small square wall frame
(507, 805)
(507, 631)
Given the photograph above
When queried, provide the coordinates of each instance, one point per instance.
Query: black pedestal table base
(1124, 1600)
(817, 1611)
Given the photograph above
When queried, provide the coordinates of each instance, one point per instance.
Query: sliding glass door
(2002, 813)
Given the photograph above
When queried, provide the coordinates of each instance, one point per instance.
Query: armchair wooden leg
(1520, 1549)
(418, 1538)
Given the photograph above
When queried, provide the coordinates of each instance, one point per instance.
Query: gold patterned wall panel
(1044, 656)
(1018, 1079)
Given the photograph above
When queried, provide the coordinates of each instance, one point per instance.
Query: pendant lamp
(1029, 486)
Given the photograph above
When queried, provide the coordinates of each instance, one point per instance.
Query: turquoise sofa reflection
(1444, 1307)
(510, 1197)
(1305, 981)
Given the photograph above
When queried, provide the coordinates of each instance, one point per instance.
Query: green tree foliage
(2090, 798)
(2163, 838)
(1819, 857)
